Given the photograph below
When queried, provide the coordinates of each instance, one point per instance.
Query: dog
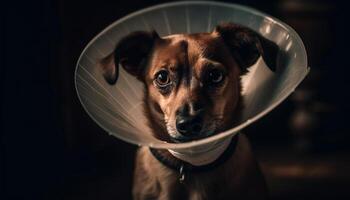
(192, 90)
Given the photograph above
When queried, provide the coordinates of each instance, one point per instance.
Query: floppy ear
(131, 53)
(246, 45)
(109, 71)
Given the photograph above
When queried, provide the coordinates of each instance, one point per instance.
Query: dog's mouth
(209, 128)
(178, 138)
(181, 139)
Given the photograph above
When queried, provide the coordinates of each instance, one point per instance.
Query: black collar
(183, 166)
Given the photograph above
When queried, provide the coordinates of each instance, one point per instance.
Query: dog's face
(192, 82)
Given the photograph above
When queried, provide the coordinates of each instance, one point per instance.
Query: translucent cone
(118, 108)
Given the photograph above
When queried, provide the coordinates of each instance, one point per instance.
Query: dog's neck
(208, 153)
(203, 161)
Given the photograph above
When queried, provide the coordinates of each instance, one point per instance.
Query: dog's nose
(189, 125)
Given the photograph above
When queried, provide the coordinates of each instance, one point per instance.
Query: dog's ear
(131, 53)
(109, 71)
(246, 45)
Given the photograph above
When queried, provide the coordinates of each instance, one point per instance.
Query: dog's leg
(145, 185)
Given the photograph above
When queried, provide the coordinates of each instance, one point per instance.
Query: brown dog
(193, 90)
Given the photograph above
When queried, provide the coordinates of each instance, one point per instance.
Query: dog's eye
(162, 78)
(215, 76)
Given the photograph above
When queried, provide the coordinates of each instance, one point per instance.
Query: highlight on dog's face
(192, 81)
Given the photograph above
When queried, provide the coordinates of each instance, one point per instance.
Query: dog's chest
(202, 187)
(154, 179)
(196, 186)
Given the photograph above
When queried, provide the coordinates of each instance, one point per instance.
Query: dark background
(51, 149)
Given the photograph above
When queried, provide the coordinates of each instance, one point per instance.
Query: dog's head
(192, 81)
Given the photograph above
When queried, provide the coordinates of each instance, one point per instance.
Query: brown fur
(188, 59)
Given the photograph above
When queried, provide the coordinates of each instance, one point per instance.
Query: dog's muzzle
(189, 126)
(189, 121)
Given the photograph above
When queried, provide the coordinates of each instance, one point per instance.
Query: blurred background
(51, 149)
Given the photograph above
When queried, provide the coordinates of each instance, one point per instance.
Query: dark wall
(51, 149)
(32, 141)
